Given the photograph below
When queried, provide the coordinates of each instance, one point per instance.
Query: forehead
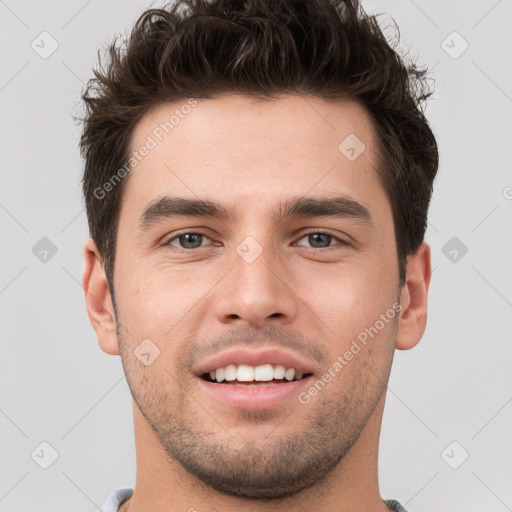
(249, 151)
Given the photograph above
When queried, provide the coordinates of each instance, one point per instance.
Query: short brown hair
(198, 48)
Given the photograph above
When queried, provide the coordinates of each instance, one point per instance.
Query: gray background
(58, 387)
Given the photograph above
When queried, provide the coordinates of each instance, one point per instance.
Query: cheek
(163, 305)
(349, 301)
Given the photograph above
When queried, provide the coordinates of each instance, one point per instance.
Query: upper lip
(253, 358)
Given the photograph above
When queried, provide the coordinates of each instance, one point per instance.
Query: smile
(261, 374)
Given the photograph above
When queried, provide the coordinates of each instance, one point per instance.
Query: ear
(98, 300)
(414, 298)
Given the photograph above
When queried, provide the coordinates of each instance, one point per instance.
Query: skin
(250, 155)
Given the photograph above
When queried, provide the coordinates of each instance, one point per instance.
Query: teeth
(265, 372)
(279, 371)
(289, 374)
(245, 373)
(230, 372)
(248, 373)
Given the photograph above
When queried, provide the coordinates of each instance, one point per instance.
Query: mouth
(254, 379)
(253, 376)
(254, 388)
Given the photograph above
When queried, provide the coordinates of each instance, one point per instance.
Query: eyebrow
(340, 206)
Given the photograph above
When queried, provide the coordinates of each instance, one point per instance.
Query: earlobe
(98, 300)
(414, 299)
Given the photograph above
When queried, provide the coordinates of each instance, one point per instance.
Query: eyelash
(341, 241)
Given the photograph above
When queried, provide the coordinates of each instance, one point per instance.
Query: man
(257, 181)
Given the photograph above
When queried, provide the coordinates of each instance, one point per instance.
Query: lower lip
(254, 397)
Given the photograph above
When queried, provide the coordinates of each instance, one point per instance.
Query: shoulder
(115, 498)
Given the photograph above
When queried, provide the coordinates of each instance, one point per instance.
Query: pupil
(190, 238)
(314, 238)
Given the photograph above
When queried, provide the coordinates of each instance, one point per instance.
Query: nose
(257, 292)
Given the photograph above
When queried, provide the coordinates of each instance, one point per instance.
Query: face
(291, 263)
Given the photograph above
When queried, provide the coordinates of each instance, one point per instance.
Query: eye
(189, 240)
(193, 240)
(321, 240)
